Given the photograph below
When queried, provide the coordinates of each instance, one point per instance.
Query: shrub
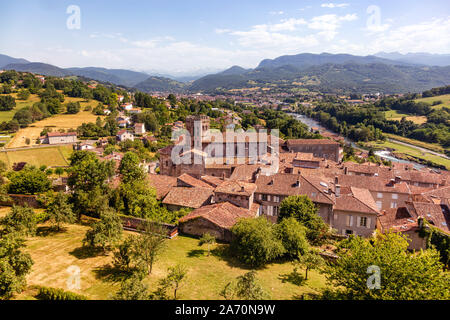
(54, 294)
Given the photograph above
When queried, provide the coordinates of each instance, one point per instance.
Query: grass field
(59, 121)
(54, 253)
(51, 156)
(412, 152)
(8, 115)
(444, 98)
(396, 115)
(431, 146)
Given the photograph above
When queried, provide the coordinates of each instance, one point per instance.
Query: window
(313, 194)
(394, 196)
(264, 197)
(348, 232)
(363, 222)
(393, 205)
(275, 211)
(379, 195)
(379, 204)
(276, 199)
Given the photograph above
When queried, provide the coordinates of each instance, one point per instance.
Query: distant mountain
(5, 60)
(117, 76)
(38, 68)
(234, 70)
(418, 58)
(331, 77)
(153, 84)
(305, 60)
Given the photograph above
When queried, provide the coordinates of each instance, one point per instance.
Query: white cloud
(334, 5)
(276, 12)
(429, 36)
(328, 24)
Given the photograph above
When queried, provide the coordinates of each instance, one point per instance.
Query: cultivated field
(54, 253)
(444, 98)
(49, 156)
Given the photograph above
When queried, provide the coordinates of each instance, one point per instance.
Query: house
(216, 219)
(134, 110)
(59, 138)
(124, 135)
(239, 193)
(139, 128)
(182, 197)
(271, 190)
(320, 148)
(84, 146)
(162, 184)
(355, 213)
(127, 106)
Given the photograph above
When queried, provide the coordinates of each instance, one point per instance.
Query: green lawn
(54, 253)
(398, 115)
(51, 156)
(444, 98)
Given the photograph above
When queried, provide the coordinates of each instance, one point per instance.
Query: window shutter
(348, 220)
(351, 221)
(369, 220)
(358, 221)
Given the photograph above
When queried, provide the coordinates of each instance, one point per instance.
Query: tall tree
(106, 232)
(132, 289)
(14, 265)
(20, 220)
(173, 280)
(149, 245)
(310, 260)
(59, 210)
(207, 239)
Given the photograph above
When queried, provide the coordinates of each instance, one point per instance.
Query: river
(385, 154)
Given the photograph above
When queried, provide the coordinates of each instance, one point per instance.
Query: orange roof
(188, 197)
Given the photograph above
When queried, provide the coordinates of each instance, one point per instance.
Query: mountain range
(330, 73)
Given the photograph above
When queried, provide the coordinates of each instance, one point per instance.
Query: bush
(54, 294)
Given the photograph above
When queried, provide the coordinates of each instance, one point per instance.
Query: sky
(194, 36)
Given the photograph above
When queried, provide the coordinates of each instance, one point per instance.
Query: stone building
(320, 148)
(59, 138)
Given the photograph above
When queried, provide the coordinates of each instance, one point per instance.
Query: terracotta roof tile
(188, 197)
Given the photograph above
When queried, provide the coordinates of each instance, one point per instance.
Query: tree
(293, 236)
(254, 241)
(73, 107)
(7, 103)
(246, 287)
(137, 198)
(310, 260)
(132, 289)
(23, 94)
(59, 210)
(149, 245)
(173, 280)
(123, 256)
(382, 268)
(59, 171)
(87, 179)
(29, 180)
(305, 211)
(106, 232)
(207, 239)
(130, 169)
(20, 220)
(14, 265)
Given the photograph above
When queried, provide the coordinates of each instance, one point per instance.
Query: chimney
(338, 190)
(223, 175)
(391, 183)
(346, 170)
(398, 179)
(297, 184)
(242, 189)
(336, 180)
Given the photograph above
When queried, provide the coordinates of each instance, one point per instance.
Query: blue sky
(197, 35)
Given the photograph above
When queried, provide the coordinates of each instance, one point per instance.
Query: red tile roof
(193, 182)
(188, 197)
(224, 214)
(162, 184)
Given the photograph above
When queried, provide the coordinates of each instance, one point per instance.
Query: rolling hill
(5, 60)
(423, 58)
(38, 68)
(117, 76)
(161, 84)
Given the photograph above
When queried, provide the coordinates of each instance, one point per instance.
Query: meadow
(444, 98)
(397, 115)
(48, 156)
(53, 253)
